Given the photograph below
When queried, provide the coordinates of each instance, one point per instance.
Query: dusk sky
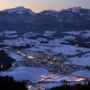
(39, 5)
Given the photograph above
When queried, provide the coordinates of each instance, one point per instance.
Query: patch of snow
(55, 42)
(49, 33)
(72, 32)
(68, 49)
(17, 42)
(15, 56)
(31, 34)
(26, 73)
(58, 78)
(10, 34)
(83, 61)
(41, 39)
(85, 34)
(82, 73)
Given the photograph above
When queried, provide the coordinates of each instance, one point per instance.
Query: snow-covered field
(83, 61)
(82, 73)
(26, 73)
(75, 55)
(16, 56)
(39, 75)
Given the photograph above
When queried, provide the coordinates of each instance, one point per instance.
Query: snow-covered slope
(51, 52)
(19, 10)
(26, 73)
(73, 18)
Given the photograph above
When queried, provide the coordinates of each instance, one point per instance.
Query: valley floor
(47, 61)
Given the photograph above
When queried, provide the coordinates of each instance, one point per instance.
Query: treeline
(5, 61)
(85, 86)
(7, 83)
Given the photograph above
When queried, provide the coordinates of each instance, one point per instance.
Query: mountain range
(23, 20)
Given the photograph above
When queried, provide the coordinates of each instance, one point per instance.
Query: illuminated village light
(30, 57)
(23, 54)
(1, 66)
(18, 52)
(29, 87)
(79, 79)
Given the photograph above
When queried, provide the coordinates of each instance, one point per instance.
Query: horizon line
(43, 9)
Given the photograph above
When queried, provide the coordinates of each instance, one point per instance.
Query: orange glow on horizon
(35, 9)
(40, 5)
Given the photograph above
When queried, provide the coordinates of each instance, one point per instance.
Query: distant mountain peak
(19, 10)
(74, 9)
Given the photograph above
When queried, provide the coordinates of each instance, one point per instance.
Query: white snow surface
(15, 56)
(49, 33)
(82, 73)
(68, 49)
(83, 61)
(26, 73)
(17, 42)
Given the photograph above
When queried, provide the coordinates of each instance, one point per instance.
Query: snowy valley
(45, 49)
(54, 56)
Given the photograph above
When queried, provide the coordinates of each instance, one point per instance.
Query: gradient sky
(39, 5)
